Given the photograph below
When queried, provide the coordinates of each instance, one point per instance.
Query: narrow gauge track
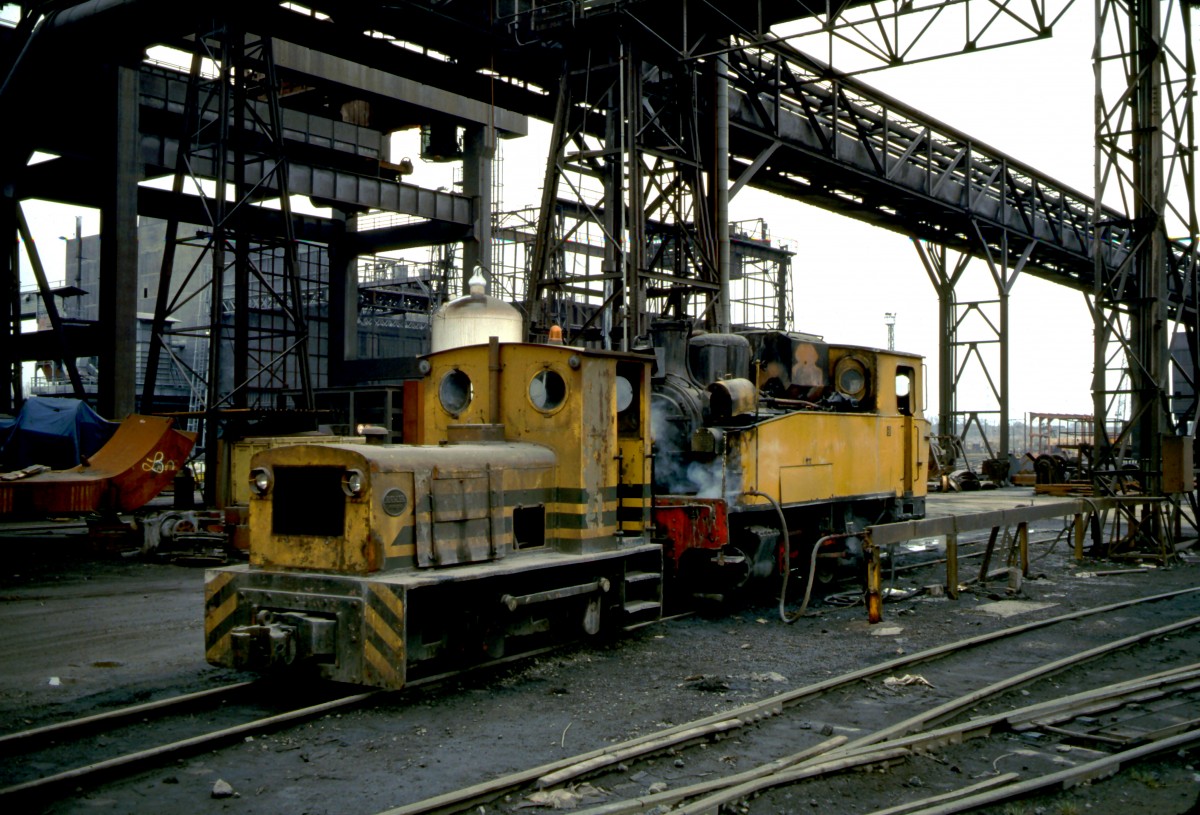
(37, 747)
(846, 726)
(133, 732)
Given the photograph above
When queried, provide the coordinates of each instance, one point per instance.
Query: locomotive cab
(591, 408)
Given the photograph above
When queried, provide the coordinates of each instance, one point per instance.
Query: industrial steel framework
(232, 129)
(1145, 167)
(665, 109)
(627, 145)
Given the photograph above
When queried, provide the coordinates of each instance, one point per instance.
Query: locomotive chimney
(669, 338)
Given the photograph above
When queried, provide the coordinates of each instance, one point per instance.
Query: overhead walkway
(802, 131)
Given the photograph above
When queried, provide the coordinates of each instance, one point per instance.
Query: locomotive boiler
(560, 491)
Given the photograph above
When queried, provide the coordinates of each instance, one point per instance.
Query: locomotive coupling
(280, 639)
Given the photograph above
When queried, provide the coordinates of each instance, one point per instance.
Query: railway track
(44, 774)
(885, 716)
(134, 734)
(26, 753)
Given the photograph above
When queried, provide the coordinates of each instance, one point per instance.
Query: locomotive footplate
(378, 630)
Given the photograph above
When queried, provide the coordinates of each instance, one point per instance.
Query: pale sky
(1032, 101)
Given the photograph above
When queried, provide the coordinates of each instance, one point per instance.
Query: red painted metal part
(136, 464)
(690, 523)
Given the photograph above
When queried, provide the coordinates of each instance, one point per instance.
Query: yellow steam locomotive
(560, 491)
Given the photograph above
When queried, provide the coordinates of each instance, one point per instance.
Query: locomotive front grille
(308, 501)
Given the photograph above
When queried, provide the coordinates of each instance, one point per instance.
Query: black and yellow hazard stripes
(220, 603)
(383, 635)
(633, 510)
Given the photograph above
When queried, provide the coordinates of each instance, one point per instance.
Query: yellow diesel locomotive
(558, 489)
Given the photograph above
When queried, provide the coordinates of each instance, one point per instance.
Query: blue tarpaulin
(55, 432)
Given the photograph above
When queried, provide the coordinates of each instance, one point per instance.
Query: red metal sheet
(690, 523)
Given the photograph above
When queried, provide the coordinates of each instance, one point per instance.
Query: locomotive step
(638, 577)
(641, 606)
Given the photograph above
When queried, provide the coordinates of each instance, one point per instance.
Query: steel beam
(370, 80)
(478, 154)
(116, 385)
(870, 37)
(63, 350)
(839, 144)
(332, 186)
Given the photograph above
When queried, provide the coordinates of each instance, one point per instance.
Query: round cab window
(624, 394)
(455, 392)
(850, 378)
(547, 391)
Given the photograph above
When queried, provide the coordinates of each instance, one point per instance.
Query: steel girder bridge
(662, 111)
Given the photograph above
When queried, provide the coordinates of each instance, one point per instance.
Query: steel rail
(877, 747)
(955, 706)
(457, 800)
(1100, 768)
(9, 741)
(922, 741)
(183, 745)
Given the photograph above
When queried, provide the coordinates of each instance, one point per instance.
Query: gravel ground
(78, 636)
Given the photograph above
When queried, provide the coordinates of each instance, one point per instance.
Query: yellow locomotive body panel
(417, 505)
(803, 458)
(814, 456)
(565, 399)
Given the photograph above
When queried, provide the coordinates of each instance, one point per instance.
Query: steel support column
(616, 222)
(116, 380)
(478, 157)
(719, 193)
(959, 356)
(11, 388)
(1145, 152)
(343, 301)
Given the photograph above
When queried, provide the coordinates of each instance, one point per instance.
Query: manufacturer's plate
(395, 502)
